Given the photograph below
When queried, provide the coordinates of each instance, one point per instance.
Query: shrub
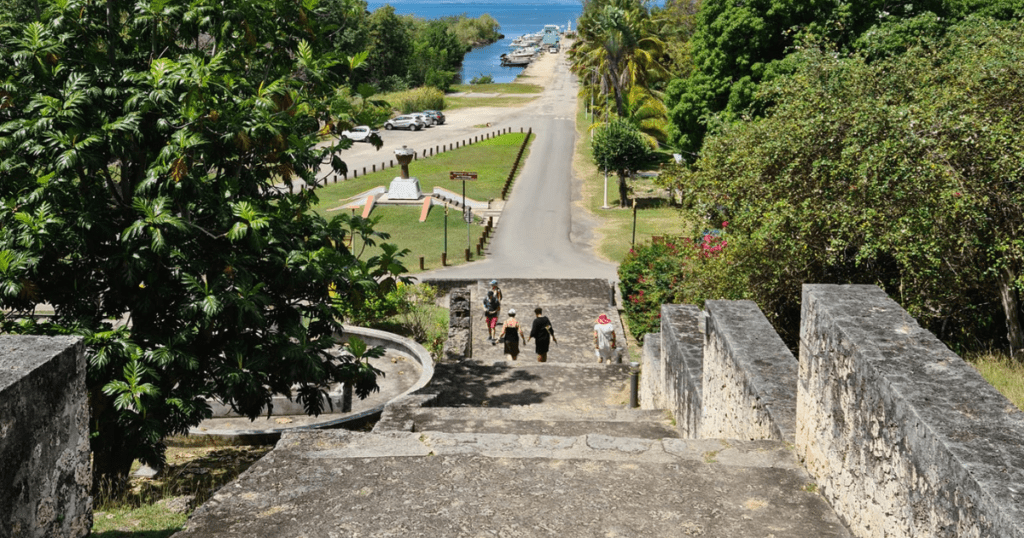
(482, 79)
(679, 270)
(417, 99)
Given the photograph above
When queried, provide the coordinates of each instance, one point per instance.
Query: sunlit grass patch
(1004, 373)
(453, 103)
(498, 87)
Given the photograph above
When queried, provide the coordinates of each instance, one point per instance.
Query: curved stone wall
(393, 343)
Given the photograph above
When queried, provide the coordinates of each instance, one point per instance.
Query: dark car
(437, 115)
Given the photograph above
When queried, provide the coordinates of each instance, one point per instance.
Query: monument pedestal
(404, 189)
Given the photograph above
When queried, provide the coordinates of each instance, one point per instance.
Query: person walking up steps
(542, 333)
(492, 305)
(511, 334)
(604, 338)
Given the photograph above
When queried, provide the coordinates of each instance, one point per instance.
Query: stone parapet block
(45, 470)
(682, 366)
(651, 393)
(904, 438)
(750, 376)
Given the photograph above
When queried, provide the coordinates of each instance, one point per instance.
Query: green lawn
(500, 87)
(490, 159)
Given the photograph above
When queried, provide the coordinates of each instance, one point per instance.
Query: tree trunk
(1011, 307)
(623, 189)
(111, 457)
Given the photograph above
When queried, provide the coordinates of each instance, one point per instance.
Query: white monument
(404, 187)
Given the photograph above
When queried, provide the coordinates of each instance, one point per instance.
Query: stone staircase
(495, 448)
(519, 450)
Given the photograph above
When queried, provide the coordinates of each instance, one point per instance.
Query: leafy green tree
(390, 48)
(475, 32)
(438, 54)
(901, 172)
(620, 146)
(17, 12)
(148, 151)
(345, 25)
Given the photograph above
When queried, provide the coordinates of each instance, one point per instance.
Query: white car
(359, 134)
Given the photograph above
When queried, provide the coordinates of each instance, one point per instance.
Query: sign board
(462, 176)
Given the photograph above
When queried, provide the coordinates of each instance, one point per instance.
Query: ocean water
(515, 18)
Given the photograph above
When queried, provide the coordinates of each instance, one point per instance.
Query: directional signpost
(467, 214)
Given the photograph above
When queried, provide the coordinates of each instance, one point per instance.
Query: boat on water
(528, 46)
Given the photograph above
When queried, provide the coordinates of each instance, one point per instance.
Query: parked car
(405, 121)
(436, 115)
(427, 120)
(359, 134)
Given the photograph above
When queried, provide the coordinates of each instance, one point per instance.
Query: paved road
(540, 234)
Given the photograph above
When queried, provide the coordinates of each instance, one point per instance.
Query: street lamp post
(605, 206)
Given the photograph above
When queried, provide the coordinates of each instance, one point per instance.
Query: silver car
(427, 119)
(405, 121)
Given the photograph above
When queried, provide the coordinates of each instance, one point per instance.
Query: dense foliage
(147, 155)
(738, 45)
(900, 169)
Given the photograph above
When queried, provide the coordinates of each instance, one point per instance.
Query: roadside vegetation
(791, 172)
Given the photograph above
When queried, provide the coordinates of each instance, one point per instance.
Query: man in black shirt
(542, 333)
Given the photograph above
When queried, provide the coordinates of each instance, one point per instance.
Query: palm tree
(644, 109)
(620, 42)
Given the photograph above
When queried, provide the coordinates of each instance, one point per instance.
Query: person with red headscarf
(604, 338)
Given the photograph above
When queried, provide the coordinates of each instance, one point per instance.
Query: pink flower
(724, 224)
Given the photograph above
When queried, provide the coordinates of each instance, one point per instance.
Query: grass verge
(453, 103)
(498, 87)
(1003, 372)
(158, 508)
(491, 159)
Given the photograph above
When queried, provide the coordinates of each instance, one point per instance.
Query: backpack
(491, 302)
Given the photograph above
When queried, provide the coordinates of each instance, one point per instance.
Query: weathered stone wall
(750, 376)
(652, 394)
(45, 472)
(903, 437)
(459, 345)
(682, 354)
(671, 371)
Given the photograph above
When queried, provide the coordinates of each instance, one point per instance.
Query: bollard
(375, 168)
(634, 384)
(467, 255)
(421, 263)
(391, 163)
(444, 259)
(364, 170)
(479, 250)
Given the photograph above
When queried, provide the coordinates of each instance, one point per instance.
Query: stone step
(532, 419)
(429, 484)
(507, 384)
